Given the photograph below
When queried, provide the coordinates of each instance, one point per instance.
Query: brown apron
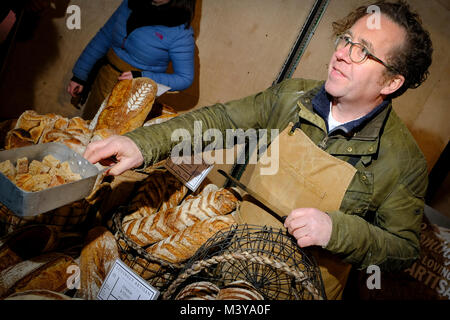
(104, 82)
(308, 177)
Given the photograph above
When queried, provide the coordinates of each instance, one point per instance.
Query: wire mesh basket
(268, 259)
(157, 272)
(66, 218)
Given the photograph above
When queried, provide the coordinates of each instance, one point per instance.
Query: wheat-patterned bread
(127, 107)
(48, 271)
(182, 245)
(96, 259)
(239, 290)
(159, 192)
(150, 229)
(202, 290)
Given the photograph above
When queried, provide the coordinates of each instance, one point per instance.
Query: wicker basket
(268, 259)
(155, 271)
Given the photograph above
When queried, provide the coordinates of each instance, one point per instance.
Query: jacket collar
(368, 127)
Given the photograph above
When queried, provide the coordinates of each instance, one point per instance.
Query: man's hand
(126, 153)
(309, 226)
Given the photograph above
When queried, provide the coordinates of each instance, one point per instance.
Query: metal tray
(24, 203)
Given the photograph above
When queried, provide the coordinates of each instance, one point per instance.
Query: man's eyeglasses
(358, 52)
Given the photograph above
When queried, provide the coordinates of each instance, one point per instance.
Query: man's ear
(393, 84)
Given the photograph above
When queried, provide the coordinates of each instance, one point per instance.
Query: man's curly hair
(413, 58)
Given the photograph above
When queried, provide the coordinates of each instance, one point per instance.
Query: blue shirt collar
(321, 105)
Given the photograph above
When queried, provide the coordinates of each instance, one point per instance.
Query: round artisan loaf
(239, 290)
(202, 290)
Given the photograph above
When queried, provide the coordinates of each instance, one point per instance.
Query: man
(351, 175)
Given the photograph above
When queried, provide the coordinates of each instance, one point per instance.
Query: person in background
(351, 178)
(138, 40)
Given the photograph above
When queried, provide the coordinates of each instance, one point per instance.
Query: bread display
(38, 175)
(182, 245)
(155, 227)
(97, 257)
(47, 271)
(126, 107)
(33, 128)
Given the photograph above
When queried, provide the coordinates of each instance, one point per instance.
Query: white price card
(122, 283)
(190, 174)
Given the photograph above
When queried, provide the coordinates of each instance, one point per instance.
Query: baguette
(182, 245)
(153, 228)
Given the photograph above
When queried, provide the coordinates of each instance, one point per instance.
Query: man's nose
(343, 54)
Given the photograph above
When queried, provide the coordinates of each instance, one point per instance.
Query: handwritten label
(122, 283)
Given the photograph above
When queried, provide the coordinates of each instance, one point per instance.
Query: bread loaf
(150, 229)
(202, 290)
(239, 290)
(18, 138)
(38, 294)
(159, 192)
(127, 107)
(97, 257)
(25, 243)
(48, 271)
(182, 245)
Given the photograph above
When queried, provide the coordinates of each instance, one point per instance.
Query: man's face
(363, 82)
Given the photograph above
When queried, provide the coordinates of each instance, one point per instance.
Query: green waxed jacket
(379, 220)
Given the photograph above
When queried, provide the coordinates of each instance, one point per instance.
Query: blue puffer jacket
(149, 48)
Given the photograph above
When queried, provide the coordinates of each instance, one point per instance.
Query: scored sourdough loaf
(97, 257)
(153, 228)
(182, 245)
(126, 107)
